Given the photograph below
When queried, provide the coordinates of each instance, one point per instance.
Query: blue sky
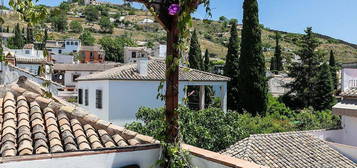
(336, 18)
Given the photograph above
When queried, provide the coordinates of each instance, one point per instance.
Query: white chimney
(142, 66)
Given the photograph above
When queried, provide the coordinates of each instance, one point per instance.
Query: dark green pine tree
(305, 72)
(29, 35)
(324, 89)
(196, 62)
(277, 54)
(195, 55)
(333, 68)
(231, 68)
(208, 89)
(252, 81)
(17, 41)
(273, 68)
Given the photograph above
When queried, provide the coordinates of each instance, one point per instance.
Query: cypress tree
(273, 67)
(29, 35)
(18, 39)
(231, 68)
(324, 89)
(206, 65)
(195, 55)
(208, 89)
(7, 29)
(252, 81)
(277, 54)
(196, 62)
(305, 72)
(333, 68)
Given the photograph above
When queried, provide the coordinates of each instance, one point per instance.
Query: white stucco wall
(33, 68)
(349, 78)
(68, 80)
(92, 87)
(144, 159)
(349, 125)
(202, 163)
(122, 99)
(348, 151)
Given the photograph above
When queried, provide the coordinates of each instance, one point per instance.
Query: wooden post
(202, 97)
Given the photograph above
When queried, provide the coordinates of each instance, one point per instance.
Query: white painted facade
(123, 98)
(143, 158)
(27, 53)
(63, 59)
(133, 54)
(160, 51)
(69, 46)
(349, 78)
(69, 77)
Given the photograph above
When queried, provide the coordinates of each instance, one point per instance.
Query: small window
(99, 99)
(59, 51)
(74, 77)
(67, 42)
(80, 96)
(27, 51)
(74, 51)
(76, 43)
(91, 56)
(133, 55)
(72, 43)
(86, 101)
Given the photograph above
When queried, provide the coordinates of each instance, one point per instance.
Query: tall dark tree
(252, 81)
(196, 62)
(208, 89)
(324, 99)
(18, 41)
(195, 55)
(277, 53)
(7, 29)
(231, 68)
(29, 35)
(333, 68)
(273, 67)
(305, 72)
(206, 63)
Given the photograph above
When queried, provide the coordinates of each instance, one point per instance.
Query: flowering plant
(174, 9)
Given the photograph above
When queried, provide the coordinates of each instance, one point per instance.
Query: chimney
(142, 66)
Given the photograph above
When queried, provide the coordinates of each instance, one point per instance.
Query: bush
(216, 130)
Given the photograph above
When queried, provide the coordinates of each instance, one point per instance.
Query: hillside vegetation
(213, 35)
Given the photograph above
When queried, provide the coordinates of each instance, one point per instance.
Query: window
(91, 56)
(72, 43)
(80, 96)
(86, 102)
(133, 55)
(59, 51)
(27, 51)
(99, 99)
(74, 77)
(76, 43)
(74, 51)
(67, 42)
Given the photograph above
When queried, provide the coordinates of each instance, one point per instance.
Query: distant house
(6, 36)
(63, 47)
(62, 59)
(290, 149)
(133, 54)
(160, 50)
(128, 87)
(146, 21)
(67, 74)
(277, 84)
(92, 54)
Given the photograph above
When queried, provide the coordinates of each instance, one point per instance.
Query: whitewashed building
(41, 132)
(63, 47)
(133, 54)
(67, 74)
(118, 93)
(277, 84)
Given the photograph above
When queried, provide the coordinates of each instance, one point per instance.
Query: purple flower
(174, 9)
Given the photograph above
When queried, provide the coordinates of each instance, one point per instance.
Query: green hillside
(213, 35)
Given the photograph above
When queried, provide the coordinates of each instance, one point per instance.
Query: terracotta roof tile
(31, 124)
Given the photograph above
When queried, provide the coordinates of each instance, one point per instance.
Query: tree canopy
(114, 47)
(87, 38)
